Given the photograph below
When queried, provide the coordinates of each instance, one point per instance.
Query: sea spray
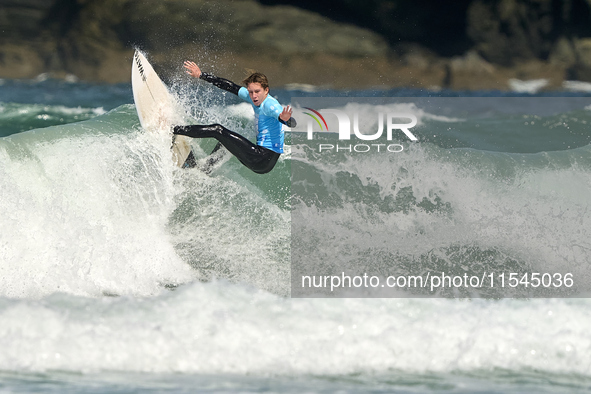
(84, 212)
(105, 193)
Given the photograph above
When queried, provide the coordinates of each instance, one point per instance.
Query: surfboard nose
(140, 66)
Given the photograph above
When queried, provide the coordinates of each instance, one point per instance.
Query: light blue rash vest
(269, 130)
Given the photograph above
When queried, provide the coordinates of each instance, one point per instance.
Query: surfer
(270, 117)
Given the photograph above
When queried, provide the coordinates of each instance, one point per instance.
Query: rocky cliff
(341, 43)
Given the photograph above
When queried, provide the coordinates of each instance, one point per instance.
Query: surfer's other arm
(285, 117)
(227, 85)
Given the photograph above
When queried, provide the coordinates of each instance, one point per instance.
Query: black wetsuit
(257, 158)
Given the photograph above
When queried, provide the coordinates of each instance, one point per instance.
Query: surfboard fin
(216, 148)
(190, 162)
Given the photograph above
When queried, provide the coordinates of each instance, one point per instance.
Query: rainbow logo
(316, 119)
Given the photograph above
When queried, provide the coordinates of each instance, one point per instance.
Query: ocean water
(120, 273)
(494, 186)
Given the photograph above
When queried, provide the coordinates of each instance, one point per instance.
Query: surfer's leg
(258, 159)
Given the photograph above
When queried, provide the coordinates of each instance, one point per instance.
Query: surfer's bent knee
(182, 130)
(218, 128)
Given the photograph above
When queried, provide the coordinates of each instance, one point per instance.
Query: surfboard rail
(156, 107)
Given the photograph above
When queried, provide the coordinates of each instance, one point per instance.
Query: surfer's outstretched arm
(225, 84)
(221, 83)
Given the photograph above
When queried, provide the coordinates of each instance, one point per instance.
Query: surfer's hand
(192, 69)
(286, 114)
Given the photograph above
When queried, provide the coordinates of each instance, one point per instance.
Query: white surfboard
(155, 106)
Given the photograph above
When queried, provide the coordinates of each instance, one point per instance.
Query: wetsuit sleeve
(290, 123)
(221, 83)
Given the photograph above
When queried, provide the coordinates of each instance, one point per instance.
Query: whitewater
(120, 272)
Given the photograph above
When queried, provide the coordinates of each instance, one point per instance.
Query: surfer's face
(257, 93)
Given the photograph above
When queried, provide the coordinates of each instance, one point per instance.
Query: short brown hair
(257, 78)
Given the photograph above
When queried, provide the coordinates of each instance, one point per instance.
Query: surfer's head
(257, 78)
(258, 87)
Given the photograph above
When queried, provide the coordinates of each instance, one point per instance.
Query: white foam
(529, 86)
(219, 328)
(86, 215)
(519, 206)
(302, 87)
(243, 110)
(577, 86)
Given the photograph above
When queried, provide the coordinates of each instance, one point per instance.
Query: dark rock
(580, 69)
(245, 26)
(510, 30)
(563, 53)
(421, 43)
(21, 19)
